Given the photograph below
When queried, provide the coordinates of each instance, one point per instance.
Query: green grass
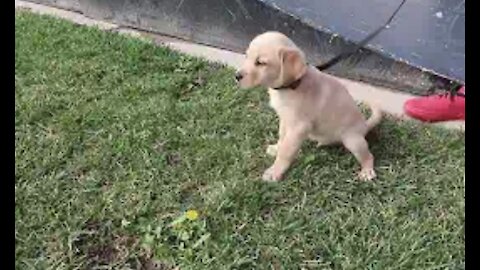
(116, 137)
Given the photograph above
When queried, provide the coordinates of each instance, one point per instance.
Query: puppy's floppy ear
(292, 64)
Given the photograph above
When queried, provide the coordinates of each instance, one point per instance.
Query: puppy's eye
(259, 63)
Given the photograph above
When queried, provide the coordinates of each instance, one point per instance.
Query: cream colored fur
(319, 108)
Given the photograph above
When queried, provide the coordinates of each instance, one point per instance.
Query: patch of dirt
(173, 159)
(101, 254)
(100, 247)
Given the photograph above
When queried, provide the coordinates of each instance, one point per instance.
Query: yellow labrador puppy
(310, 104)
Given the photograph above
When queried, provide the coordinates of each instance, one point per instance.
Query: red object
(437, 108)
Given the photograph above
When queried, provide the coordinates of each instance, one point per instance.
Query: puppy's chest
(276, 104)
(280, 102)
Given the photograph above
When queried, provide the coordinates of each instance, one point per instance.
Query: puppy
(310, 104)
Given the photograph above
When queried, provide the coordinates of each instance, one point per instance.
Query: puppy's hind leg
(358, 146)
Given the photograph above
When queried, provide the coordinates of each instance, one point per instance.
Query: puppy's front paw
(367, 174)
(271, 175)
(272, 150)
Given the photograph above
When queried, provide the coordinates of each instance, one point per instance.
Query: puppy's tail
(376, 117)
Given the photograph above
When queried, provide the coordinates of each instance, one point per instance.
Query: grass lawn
(115, 138)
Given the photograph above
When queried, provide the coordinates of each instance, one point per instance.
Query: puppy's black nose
(238, 76)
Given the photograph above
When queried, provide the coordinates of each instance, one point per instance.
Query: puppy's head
(272, 60)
